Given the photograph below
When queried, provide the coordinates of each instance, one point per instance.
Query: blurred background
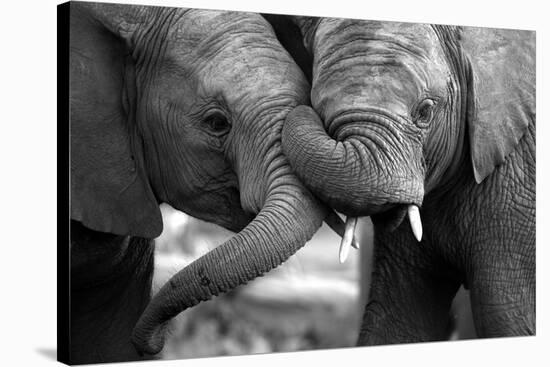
(309, 302)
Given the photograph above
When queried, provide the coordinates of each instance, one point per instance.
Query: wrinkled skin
(442, 118)
(184, 107)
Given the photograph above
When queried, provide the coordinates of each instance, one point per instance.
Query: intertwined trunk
(358, 173)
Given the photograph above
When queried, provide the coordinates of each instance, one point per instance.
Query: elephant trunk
(359, 172)
(288, 219)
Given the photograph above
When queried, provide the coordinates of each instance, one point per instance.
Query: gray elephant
(184, 107)
(433, 122)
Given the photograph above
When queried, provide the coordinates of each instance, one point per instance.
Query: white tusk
(355, 243)
(347, 240)
(416, 224)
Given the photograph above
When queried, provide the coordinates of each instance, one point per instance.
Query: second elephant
(438, 123)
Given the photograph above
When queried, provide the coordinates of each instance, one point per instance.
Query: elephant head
(399, 107)
(186, 107)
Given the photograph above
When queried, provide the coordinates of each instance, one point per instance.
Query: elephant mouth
(389, 220)
(372, 210)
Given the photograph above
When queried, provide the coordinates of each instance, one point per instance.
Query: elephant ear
(109, 190)
(501, 93)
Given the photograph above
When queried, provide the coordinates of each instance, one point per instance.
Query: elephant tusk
(334, 221)
(348, 239)
(414, 218)
(355, 243)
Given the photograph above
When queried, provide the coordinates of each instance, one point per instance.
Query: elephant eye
(425, 110)
(218, 123)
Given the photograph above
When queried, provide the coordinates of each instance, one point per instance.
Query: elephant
(184, 107)
(435, 123)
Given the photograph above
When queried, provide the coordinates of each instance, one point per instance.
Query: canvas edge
(63, 177)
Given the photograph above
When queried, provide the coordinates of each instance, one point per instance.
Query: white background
(28, 183)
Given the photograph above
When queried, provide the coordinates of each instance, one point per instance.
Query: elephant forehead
(344, 43)
(241, 68)
(204, 31)
(222, 50)
(236, 80)
(378, 61)
(244, 69)
(417, 45)
(414, 35)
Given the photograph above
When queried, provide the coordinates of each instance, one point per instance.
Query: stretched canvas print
(381, 175)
